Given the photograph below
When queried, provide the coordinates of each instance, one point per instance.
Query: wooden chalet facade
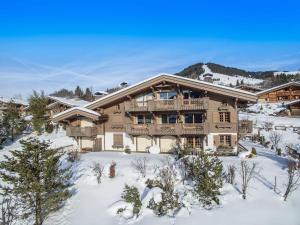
(161, 111)
(285, 92)
(20, 106)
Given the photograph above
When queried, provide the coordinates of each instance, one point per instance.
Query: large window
(189, 94)
(168, 118)
(225, 140)
(144, 119)
(193, 118)
(167, 95)
(224, 117)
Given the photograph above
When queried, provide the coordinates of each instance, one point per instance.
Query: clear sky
(54, 44)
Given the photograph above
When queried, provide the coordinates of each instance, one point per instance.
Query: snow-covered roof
(73, 102)
(16, 101)
(293, 102)
(75, 110)
(171, 76)
(278, 87)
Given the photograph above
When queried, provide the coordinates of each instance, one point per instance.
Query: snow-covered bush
(293, 179)
(168, 205)
(73, 156)
(131, 195)
(127, 150)
(275, 138)
(98, 170)
(247, 173)
(180, 151)
(140, 166)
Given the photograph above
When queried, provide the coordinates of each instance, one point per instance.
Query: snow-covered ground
(227, 80)
(94, 203)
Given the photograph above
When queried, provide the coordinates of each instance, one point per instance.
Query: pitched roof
(68, 101)
(14, 100)
(74, 112)
(278, 87)
(293, 102)
(197, 84)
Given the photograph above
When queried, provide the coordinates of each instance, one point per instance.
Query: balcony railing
(81, 131)
(167, 129)
(226, 126)
(167, 105)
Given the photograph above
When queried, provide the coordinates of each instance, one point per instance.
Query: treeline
(86, 95)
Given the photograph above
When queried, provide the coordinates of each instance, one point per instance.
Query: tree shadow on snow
(282, 162)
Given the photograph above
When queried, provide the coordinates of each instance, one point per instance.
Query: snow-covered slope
(291, 73)
(227, 80)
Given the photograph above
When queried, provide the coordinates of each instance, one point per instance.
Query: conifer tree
(37, 107)
(78, 92)
(206, 172)
(88, 95)
(11, 120)
(36, 179)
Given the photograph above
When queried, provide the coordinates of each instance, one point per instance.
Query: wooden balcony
(167, 129)
(167, 105)
(137, 129)
(81, 131)
(283, 93)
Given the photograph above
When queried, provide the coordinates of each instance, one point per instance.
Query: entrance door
(98, 145)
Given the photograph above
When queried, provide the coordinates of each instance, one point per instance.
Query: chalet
(249, 88)
(293, 108)
(58, 104)
(19, 104)
(159, 112)
(285, 92)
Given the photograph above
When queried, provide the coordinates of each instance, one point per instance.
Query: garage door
(143, 143)
(167, 143)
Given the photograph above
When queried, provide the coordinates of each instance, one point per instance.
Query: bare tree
(247, 173)
(8, 210)
(275, 138)
(230, 174)
(293, 179)
(98, 170)
(140, 165)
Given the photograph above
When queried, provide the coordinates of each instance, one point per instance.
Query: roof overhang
(182, 81)
(278, 88)
(76, 111)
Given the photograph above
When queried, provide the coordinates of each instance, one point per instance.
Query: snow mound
(154, 149)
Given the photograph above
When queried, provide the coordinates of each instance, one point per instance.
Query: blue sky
(54, 44)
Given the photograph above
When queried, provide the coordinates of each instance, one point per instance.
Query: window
(188, 94)
(193, 118)
(167, 95)
(168, 118)
(225, 140)
(144, 119)
(118, 140)
(194, 142)
(224, 117)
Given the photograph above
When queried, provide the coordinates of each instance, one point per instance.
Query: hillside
(230, 75)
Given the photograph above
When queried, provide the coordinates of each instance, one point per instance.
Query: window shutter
(216, 140)
(233, 140)
(118, 139)
(216, 117)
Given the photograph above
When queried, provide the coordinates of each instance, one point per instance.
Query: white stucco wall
(109, 141)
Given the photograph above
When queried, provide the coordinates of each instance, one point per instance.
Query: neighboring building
(293, 108)
(161, 111)
(285, 92)
(20, 105)
(249, 88)
(208, 77)
(99, 94)
(245, 128)
(58, 104)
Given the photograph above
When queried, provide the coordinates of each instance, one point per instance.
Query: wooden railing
(167, 129)
(167, 105)
(232, 127)
(81, 131)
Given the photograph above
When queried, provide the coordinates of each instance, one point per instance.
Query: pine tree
(11, 120)
(78, 92)
(237, 83)
(88, 96)
(37, 108)
(206, 172)
(35, 177)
